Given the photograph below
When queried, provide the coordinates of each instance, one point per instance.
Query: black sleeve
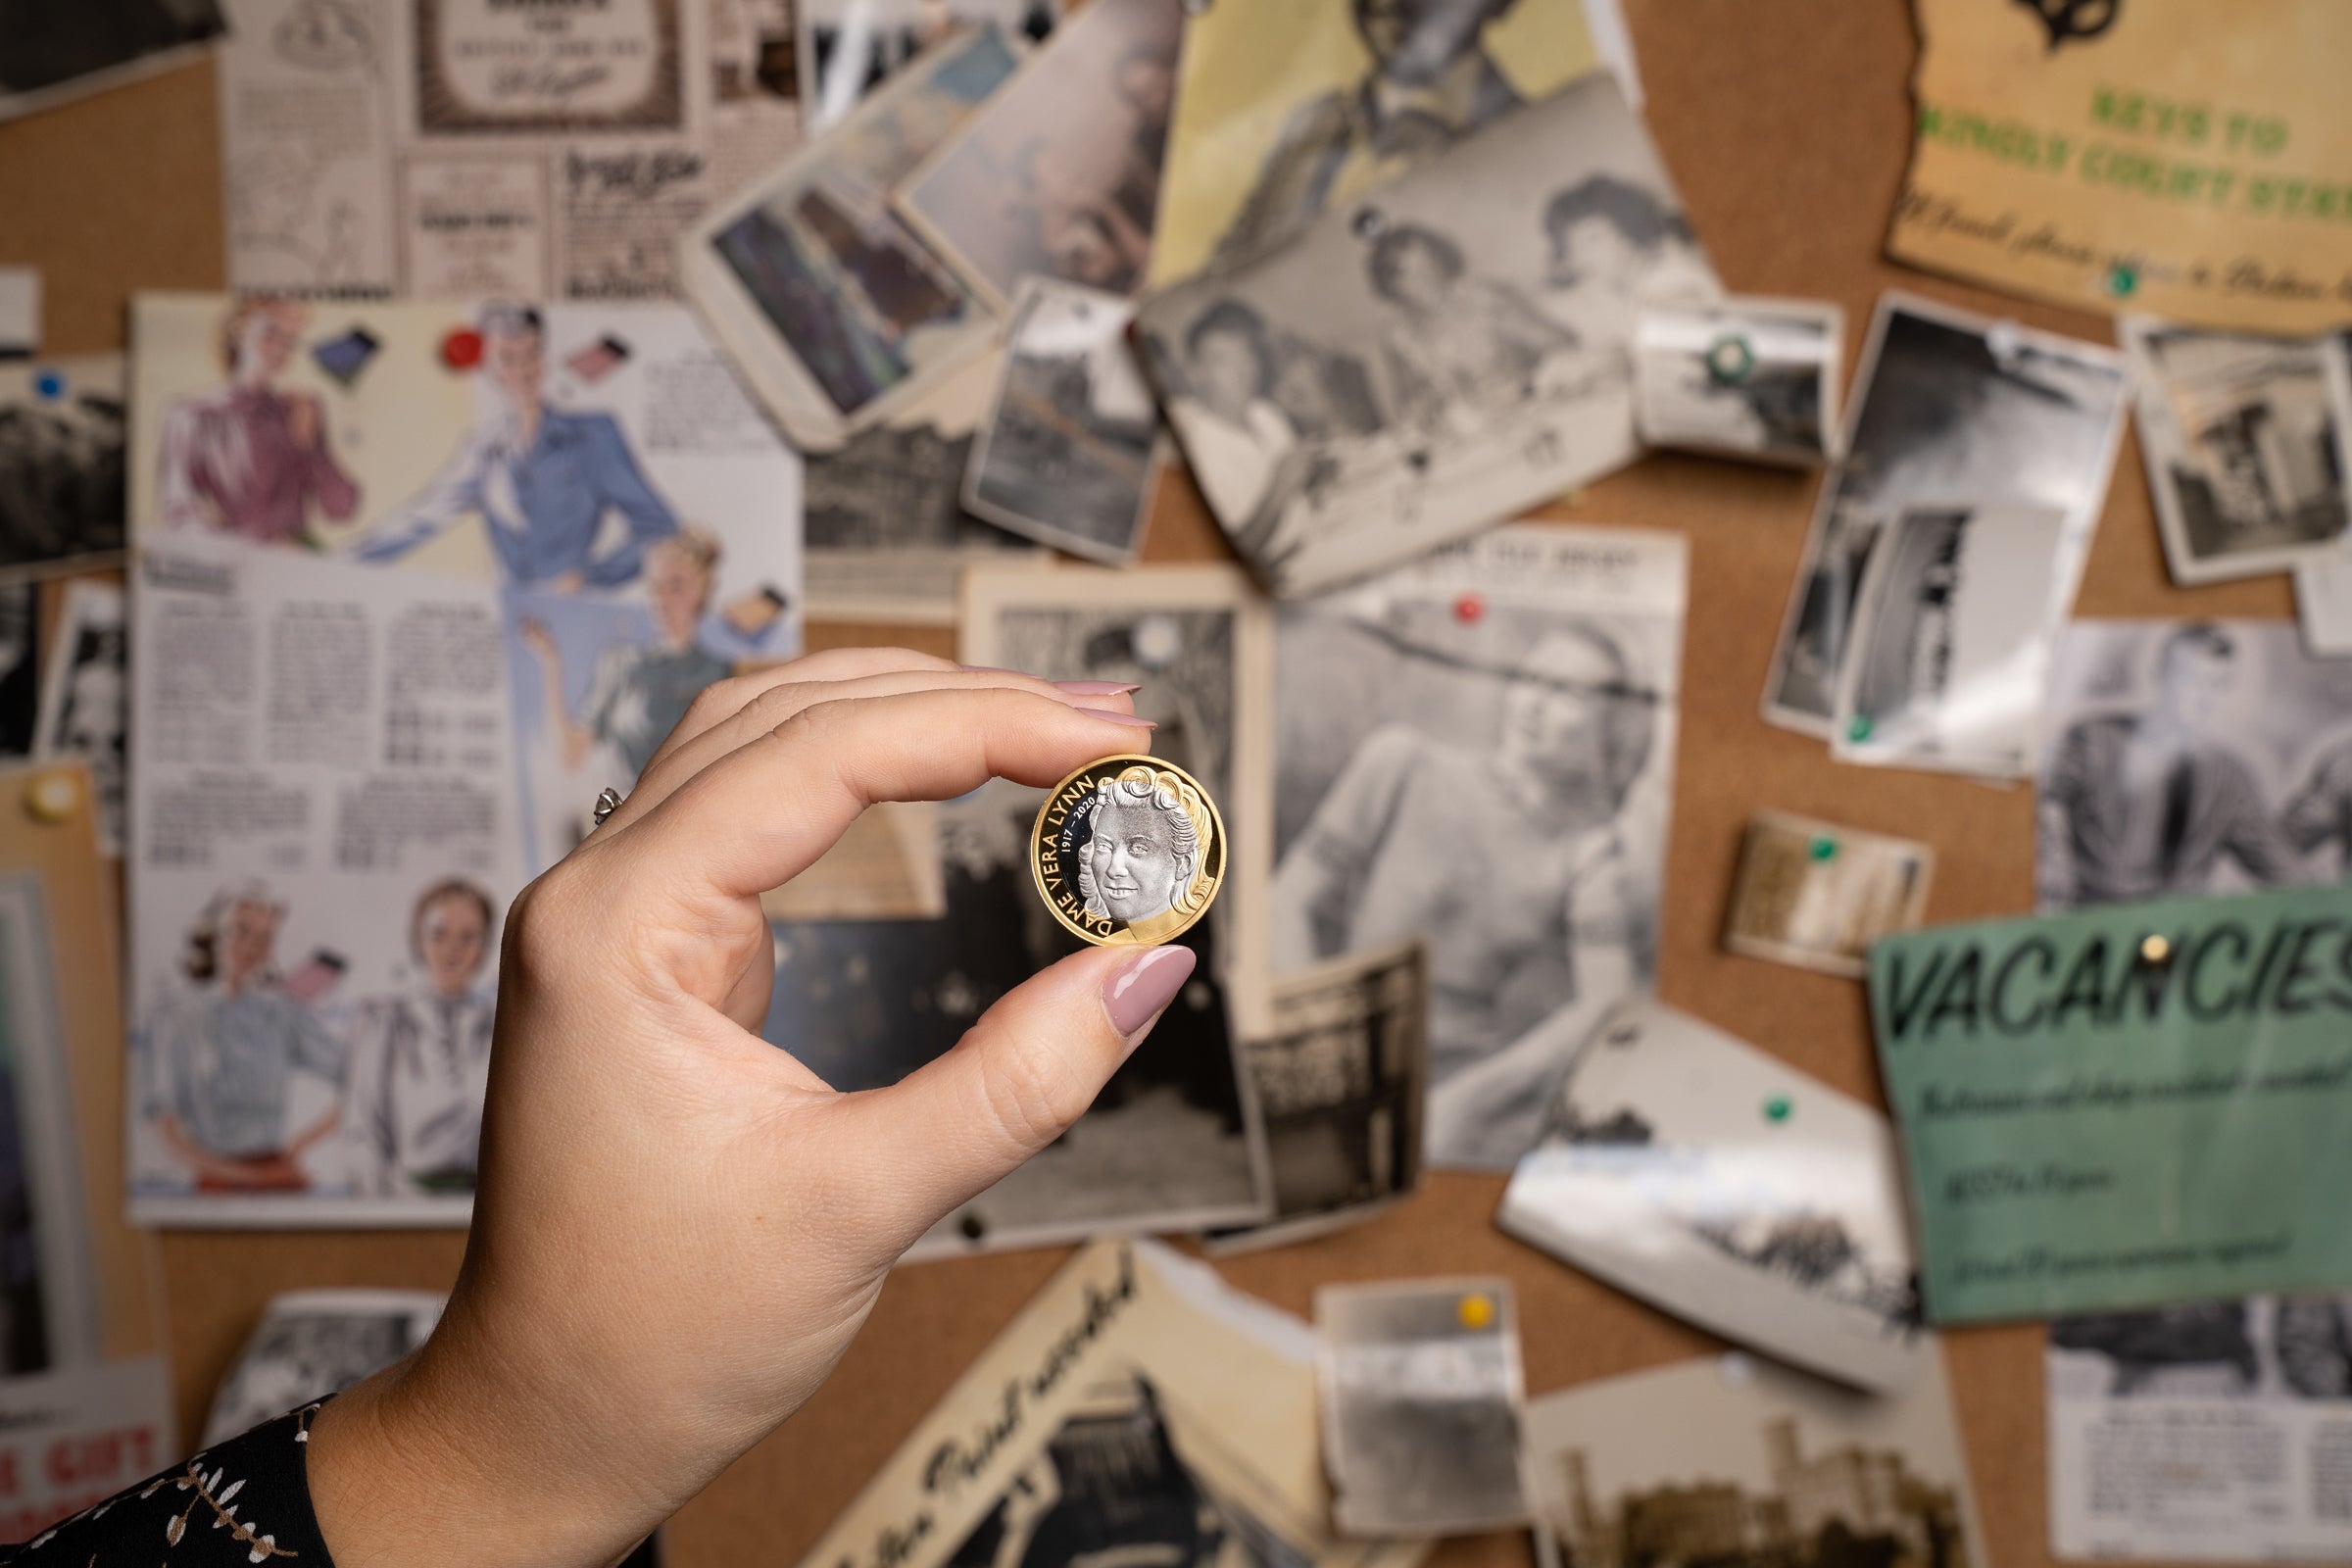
(244, 1501)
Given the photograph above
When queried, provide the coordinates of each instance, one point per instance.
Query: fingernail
(1110, 717)
(1144, 984)
(1096, 688)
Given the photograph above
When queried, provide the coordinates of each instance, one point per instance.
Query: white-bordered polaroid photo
(311, 1343)
(837, 312)
(1341, 1076)
(1431, 358)
(1058, 174)
(62, 491)
(53, 54)
(1695, 1171)
(847, 49)
(1069, 454)
(20, 312)
(1948, 408)
(2246, 440)
(1752, 379)
(1477, 749)
(85, 698)
(1744, 1463)
(2184, 757)
(1422, 1393)
(1951, 641)
(1817, 893)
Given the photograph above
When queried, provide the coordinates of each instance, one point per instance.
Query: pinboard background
(1786, 124)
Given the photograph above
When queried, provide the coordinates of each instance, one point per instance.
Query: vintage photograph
(1434, 359)
(2161, 773)
(1069, 454)
(85, 698)
(62, 498)
(1478, 750)
(1283, 111)
(20, 663)
(1695, 1171)
(1735, 1462)
(836, 312)
(1422, 1392)
(1746, 378)
(1951, 637)
(311, 1343)
(2153, 1416)
(53, 51)
(1058, 174)
(2246, 440)
(466, 71)
(19, 314)
(1340, 1078)
(1817, 893)
(1953, 408)
(848, 48)
(884, 526)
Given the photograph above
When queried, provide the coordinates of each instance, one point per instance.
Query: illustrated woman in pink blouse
(246, 458)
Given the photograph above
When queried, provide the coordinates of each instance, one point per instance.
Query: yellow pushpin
(2155, 950)
(53, 797)
(1476, 1311)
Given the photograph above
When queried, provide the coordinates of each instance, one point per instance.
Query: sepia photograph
(1283, 110)
(1951, 638)
(1058, 174)
(2161, 773)
(62, 489)
(1737, 1464)
(1422, 1390)
(835, 312)
(1340, 1077)
(1478, 750)
(1749, 378)
(1817, 893)
(2246, 440)
(849, 48)
(1691, 1169)
(85, 699)
(1069, 454)
(311, 1343)
(1431, 359)
(1949, 409)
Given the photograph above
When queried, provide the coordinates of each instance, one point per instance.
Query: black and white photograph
(62, 476)
(1817, 893)
(1952, 409)
(1952, 631)
(20, 659)
(84, 700)
(1695, 1171)
(20, 312)
(54, 51)
(2245, 442)
(1748, 378)
(1736, 1463)
(1478, 750)
(1058, 176)
(1435, 358)
(1340, 1077)
(2155, 1417)
(311, 1343)
(849, 47)
(2191, 758)
(1422, 1392)
(885, 531)
(1068, 456)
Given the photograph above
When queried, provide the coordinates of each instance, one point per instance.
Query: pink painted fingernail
(1110, 717)
(1096, 688)
(1145, 983)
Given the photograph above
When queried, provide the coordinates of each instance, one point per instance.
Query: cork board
(1787, 127)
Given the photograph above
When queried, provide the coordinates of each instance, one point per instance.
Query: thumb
(1029, 1068)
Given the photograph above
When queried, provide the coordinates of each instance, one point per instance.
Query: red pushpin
(461, 350)
(1470, 608)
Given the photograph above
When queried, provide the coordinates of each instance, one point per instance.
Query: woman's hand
(679, 1228)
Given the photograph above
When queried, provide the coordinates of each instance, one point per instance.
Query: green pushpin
(1825, 849)
(1778, 1108)
(1730, 359)
(2122, 279)
(1859, 729)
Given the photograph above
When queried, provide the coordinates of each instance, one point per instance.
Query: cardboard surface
(1787, 127)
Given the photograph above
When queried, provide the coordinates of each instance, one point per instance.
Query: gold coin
(1128, 850)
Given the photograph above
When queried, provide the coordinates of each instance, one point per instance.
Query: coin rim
(1037, 832)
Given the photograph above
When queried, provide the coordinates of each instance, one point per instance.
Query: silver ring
(608, 800)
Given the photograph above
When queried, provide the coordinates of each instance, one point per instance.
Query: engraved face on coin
(1128, 850)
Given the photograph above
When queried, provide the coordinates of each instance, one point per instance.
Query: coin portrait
(1128, 850)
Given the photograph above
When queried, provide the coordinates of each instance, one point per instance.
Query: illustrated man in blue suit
(542, 479)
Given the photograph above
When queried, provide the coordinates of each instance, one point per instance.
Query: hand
(679, 1228)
